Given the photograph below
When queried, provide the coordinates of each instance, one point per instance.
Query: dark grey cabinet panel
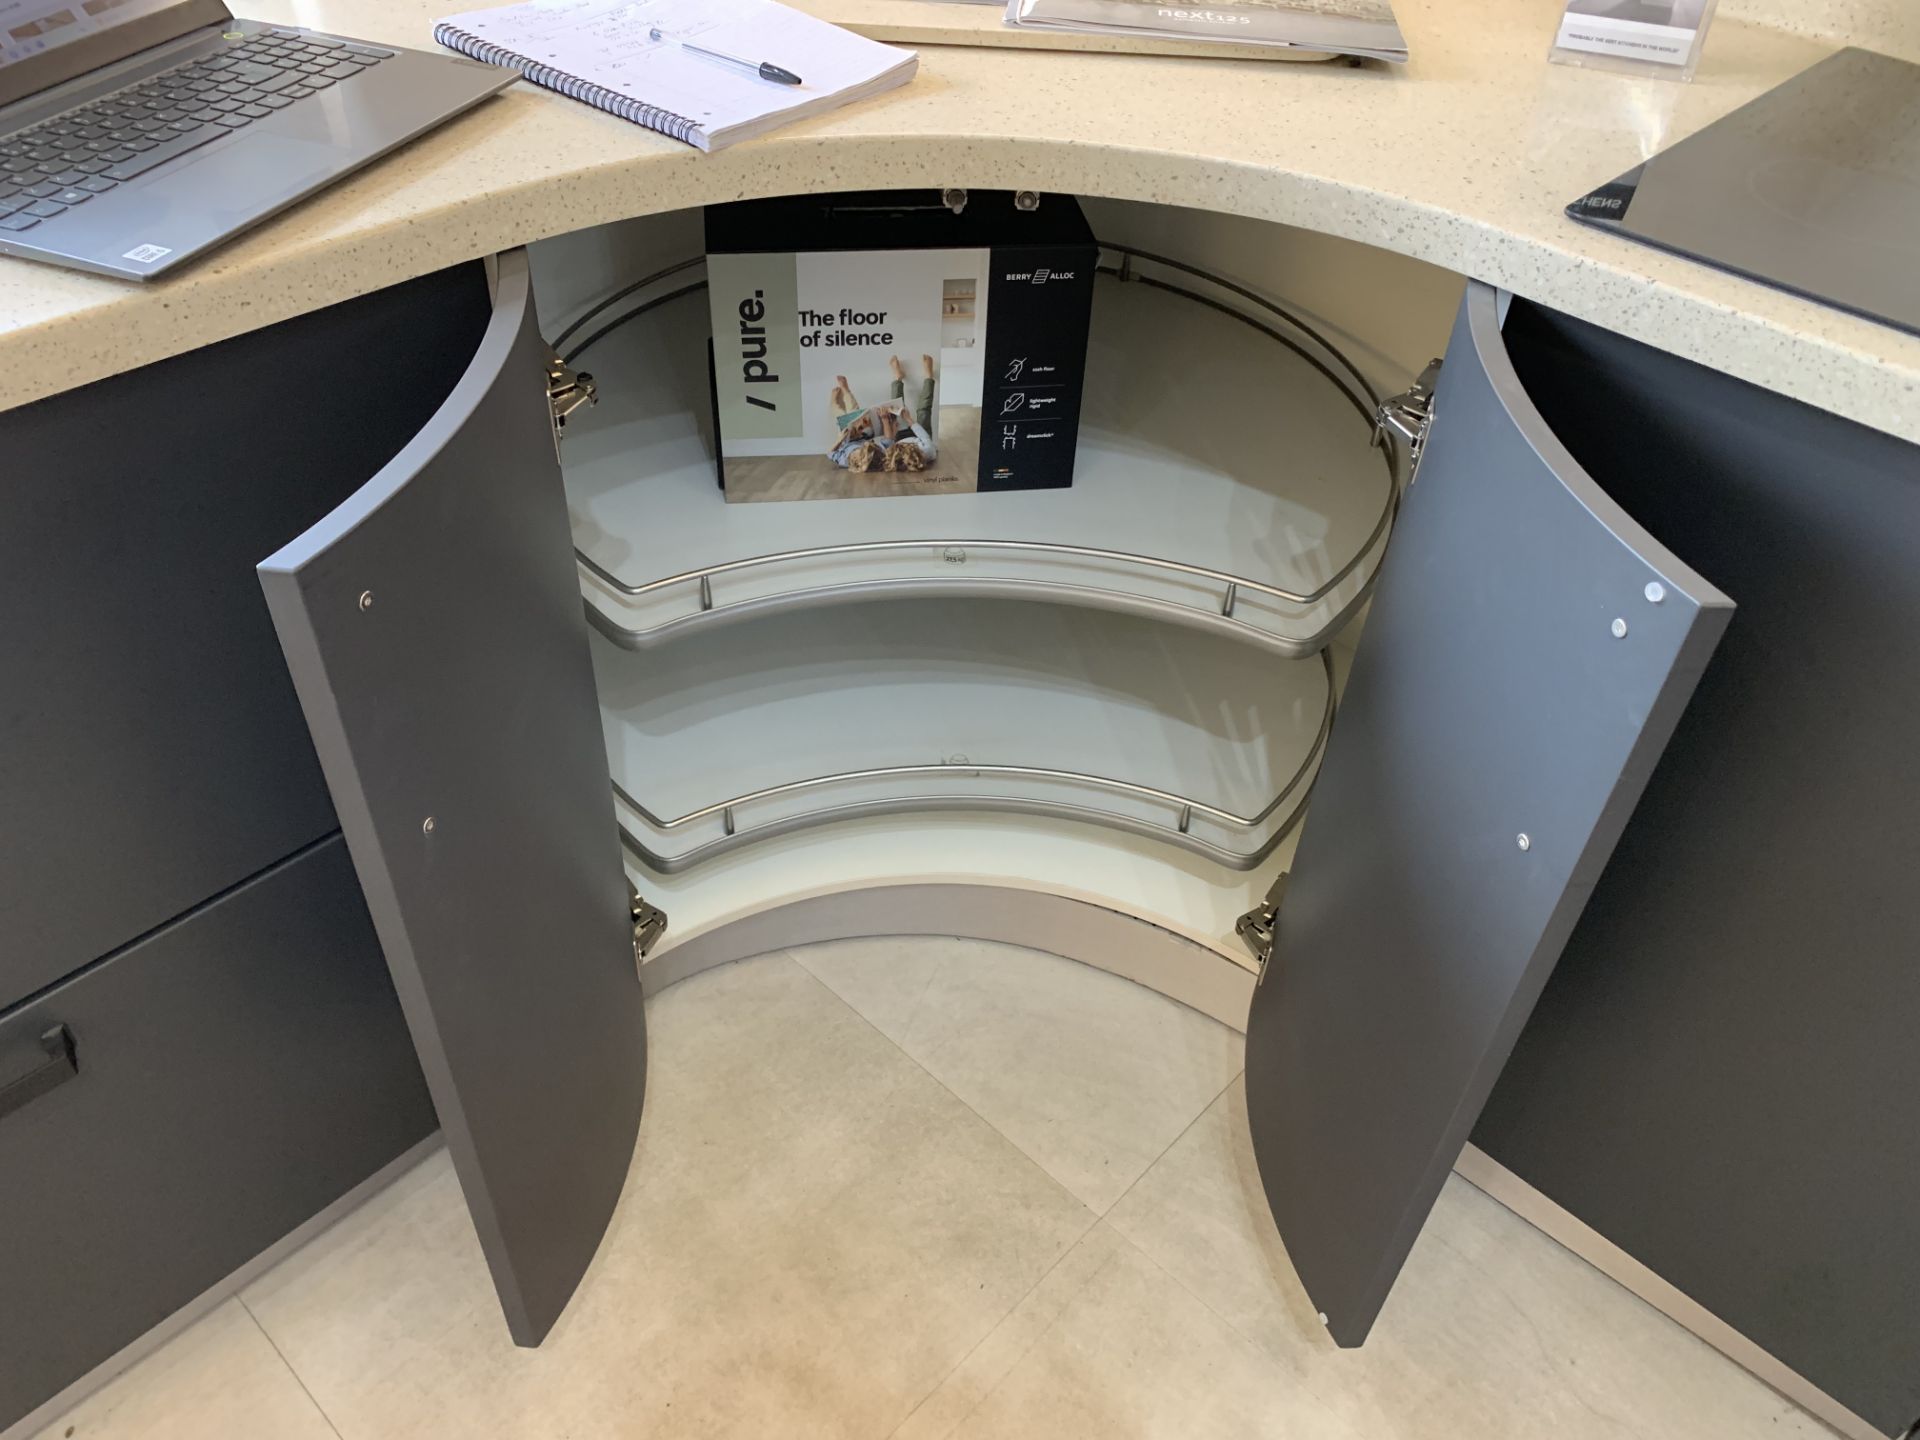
(233, 1074)
(1718, 1079)
(151, 750)
(438, 645)
(1516, 686)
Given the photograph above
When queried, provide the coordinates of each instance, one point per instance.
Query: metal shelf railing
(1262, 830)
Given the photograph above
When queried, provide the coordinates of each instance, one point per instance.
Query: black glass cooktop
(1813, 187)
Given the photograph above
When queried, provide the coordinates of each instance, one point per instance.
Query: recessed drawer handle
(60, 1066)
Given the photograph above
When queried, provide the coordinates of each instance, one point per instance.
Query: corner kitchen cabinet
(1528, 651)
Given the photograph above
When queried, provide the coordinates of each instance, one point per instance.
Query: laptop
(137, 134)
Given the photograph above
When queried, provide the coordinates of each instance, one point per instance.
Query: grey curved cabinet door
(1526, 657)
(434, 630)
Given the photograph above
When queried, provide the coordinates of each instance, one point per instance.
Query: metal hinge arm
(567, 390)
(1256, 927)
(1409, 415)
(649, 923)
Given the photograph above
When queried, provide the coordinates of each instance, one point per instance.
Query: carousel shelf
(1227, 480)
(927, 705)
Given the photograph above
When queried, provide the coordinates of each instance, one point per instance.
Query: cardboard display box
(879, 344)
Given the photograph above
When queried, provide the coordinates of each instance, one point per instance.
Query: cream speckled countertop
(1464, 158)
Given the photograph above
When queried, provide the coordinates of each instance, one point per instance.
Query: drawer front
(151, 750)
(230, 1076)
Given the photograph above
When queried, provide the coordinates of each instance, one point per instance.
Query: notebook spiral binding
(667, 122)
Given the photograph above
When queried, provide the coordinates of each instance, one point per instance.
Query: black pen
(765, 69)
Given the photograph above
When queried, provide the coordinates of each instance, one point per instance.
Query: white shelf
(924, 705)
(1217, 469)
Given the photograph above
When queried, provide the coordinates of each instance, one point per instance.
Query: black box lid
(891, 220)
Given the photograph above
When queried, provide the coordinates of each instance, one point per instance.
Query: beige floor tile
(218, 1380)
(1493, 1332)
(1199, 1212)
(819, 1239)
(1133, 1356)
(814, 1235)
(977, 1376)
(884, 978)
(1091, 1075)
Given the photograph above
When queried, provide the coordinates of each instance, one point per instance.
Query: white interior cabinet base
(1046, 884)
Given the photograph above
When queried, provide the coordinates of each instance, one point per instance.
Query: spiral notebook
(602, 52)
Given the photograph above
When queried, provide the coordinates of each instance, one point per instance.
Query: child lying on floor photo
(892, 435)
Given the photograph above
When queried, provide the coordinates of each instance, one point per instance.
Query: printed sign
(1643, 32)
(859, 357)
(828, 363)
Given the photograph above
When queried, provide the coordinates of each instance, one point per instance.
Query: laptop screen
(45, 42)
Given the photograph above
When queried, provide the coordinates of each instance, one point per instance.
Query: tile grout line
(1199, 1114)
(1096, 1220)
(298, 1378)
(914, 1060)
(1259, 1351)
(995, 1328)
(1099, 1217)
(1251, 1341)
(1254, 1347)
(1098, 1214)
(1044, 1331)
(907, 1027)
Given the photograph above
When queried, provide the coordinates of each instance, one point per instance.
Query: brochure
(1364, 28)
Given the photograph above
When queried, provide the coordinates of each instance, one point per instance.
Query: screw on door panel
(366, 599)
(426, 826)
(1655, 592)
(1523, 840)
(1619, 628)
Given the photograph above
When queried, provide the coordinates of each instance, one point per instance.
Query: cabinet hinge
(1257, 925)
(1409, 415)
(649, 924)
(567, 390)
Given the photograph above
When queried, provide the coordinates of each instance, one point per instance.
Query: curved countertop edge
(505, 176)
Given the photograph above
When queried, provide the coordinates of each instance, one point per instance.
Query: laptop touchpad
(180, 212)
(238, 181)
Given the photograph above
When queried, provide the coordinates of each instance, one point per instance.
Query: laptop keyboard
(69, 159)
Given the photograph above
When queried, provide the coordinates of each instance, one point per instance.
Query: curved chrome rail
(1234, 584)
(1177, 829)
